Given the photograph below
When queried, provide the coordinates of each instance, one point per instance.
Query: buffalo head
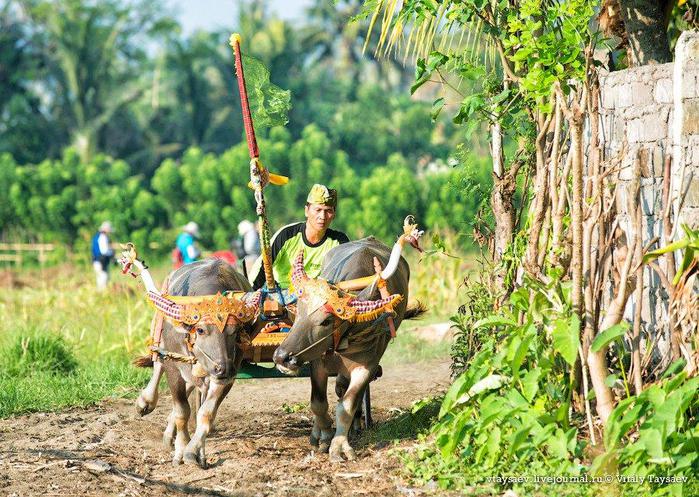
(324, 313)
(214, 326)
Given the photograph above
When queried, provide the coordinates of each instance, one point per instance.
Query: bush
(468, 339)
(39, 352)
(654, 434)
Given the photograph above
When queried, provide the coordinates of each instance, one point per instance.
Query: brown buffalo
(215, 347)
(355, 327)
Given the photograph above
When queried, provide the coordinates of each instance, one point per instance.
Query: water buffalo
(210, 333)
(356, 328)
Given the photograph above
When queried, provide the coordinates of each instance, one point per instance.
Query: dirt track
(258, 449)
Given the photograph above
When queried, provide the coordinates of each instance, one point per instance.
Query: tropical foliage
(152, 138)
(547, 372)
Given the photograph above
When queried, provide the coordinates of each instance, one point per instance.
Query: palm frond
(418, 32)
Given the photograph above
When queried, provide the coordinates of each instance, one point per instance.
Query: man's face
(319, 216)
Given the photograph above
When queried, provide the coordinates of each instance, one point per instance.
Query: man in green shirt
(314, 237)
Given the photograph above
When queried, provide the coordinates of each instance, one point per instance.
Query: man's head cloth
(321, 194)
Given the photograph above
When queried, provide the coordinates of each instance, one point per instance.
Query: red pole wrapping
(247, 116)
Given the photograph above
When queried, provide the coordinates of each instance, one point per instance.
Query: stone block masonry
(651, 112)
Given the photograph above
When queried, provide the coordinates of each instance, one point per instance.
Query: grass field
(102, 332)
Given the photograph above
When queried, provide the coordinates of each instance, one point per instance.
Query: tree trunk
(501, 196)
(85, 142)
(576, 265)
(646, 28)
(541, 199)
(504, 185)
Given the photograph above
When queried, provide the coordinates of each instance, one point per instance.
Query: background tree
(646, 24)
(24, 129)
(95, 55)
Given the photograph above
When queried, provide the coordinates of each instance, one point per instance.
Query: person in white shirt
(249, 243)
(102, 254)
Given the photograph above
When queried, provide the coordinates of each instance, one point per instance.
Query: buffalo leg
(321, 433)
(180, 412)
(344, 414)
(170, 428)
(216, 392)
(148, 398)
(341, 386)
(366, 407)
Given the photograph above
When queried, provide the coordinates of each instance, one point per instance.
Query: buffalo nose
(219, 368)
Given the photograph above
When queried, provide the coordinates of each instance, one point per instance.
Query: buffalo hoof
(322, 445)
(144, 407)
(191, 458)
(340, 447)
(177, 460)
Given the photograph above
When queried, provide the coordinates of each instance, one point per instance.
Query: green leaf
(652, 440)
(621, 428)
(566, 338)
(522, 350)
(520, 299)
(492, 382)
(470, 105)
(493, 408)
(558, 445)
(609, 335)
(518, 439)
(494, 321)
(424, 69)
(269, 104)
(458, 433)
(530, 384)
(455, 391)
(612, 431)
(421, 75)
(493, 446)
(678, 245)
(437, 107)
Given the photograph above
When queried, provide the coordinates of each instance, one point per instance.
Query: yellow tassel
(368, 316)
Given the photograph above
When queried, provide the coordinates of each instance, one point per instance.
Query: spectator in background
(249, 246)
(186, 243)
(102, 254)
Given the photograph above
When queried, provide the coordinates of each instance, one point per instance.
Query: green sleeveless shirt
(285, 246)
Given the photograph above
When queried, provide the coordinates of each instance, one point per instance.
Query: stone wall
(686, 126)
(648, 113)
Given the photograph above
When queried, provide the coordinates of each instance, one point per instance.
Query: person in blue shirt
(186, 243)
(102, 254)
